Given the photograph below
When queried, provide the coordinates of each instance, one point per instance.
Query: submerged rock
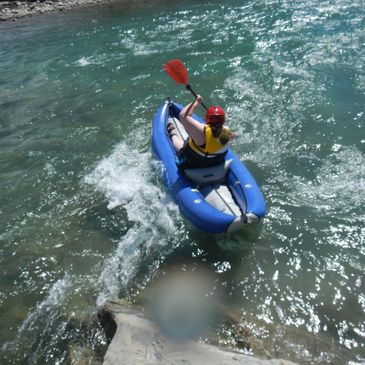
(135, 339)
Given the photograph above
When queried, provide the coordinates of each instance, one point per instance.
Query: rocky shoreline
(135, 339)
(13, 10)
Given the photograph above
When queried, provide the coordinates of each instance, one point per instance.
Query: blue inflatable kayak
(217, 199)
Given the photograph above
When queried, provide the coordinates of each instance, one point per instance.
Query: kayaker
(207, 143)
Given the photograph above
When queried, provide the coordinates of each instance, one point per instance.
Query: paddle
(177, 71)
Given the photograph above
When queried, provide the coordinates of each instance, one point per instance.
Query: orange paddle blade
(177, 71)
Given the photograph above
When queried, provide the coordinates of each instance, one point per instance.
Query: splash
(42, 327)
(126, 179)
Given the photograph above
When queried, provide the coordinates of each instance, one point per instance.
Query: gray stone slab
(138, 340)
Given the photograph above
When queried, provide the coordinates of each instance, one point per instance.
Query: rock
(135, 339)
(31, 7)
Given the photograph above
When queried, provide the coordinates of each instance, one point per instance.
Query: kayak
(218, 199)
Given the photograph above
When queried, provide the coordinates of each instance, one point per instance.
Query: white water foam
(54, 299)
(263, 131)
(99, 59)
(120, 177)
(126, 179)
(83, 61)
(44, 316)
(340, 182)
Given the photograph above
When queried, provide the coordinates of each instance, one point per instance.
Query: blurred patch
(184, 303)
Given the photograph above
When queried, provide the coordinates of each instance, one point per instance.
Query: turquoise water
(85, 217)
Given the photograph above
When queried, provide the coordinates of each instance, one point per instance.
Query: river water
(85, 217)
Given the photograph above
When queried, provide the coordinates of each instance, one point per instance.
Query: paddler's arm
(192, 126)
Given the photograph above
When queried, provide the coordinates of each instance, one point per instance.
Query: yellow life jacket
(212, 147)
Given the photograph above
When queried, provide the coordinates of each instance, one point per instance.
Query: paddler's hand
(232, 135)
(199, 99)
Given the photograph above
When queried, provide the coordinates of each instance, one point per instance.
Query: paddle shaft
(194, 93)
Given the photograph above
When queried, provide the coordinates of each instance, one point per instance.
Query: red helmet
(215, 115)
